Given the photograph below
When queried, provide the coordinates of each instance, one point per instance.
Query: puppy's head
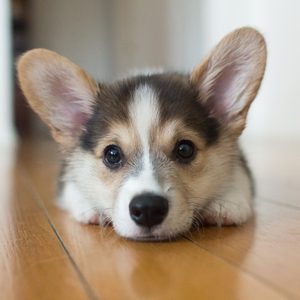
(153, 149)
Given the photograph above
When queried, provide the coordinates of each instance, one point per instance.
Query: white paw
(82, 210)
(228, 212)
(92, 216)
(87, 217)
(236, 205)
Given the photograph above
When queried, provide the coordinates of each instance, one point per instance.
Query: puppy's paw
(93, 217)
(87, 217)
(226, 212)
(235, 206)
(82, 210)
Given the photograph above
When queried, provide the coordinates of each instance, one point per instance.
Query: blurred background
(110, 38)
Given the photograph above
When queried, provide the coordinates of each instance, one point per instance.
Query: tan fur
(124, 136)
(36, 65)
(199, 178)
(245, 45)
(167, 133)
(121, 134)
(162, 141)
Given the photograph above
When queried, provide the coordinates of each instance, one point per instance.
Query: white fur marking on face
(144, 113)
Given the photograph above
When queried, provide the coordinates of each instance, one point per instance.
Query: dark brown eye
(113, 156)
(184, 151)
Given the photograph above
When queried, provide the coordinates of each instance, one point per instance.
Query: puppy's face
(151, 154)
(152, 150)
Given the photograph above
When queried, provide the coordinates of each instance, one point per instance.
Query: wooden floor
(44, 254)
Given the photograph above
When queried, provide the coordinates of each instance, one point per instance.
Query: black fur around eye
(113, 157)
(184, 151)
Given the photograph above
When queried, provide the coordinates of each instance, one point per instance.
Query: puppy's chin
(154, 239)
(150, 237)
(158, 233)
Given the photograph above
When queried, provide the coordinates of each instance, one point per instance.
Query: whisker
(96, 207)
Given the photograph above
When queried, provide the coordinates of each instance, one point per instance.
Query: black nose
(148, 209)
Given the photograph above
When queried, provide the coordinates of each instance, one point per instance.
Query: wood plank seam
(89, 290)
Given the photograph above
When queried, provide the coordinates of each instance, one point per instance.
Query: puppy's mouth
(153, 238)
(148, 236)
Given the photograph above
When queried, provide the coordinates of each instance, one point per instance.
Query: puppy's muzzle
(148, 209)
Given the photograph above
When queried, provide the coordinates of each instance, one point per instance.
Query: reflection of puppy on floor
(156, 152)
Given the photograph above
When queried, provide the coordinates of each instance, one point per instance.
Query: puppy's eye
(184, 151)
(113, 156)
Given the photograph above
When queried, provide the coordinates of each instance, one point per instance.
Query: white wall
(108, 38)
(155, 33)
(77, 29)
(7, 134)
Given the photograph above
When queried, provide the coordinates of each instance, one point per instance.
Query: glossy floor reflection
(44, 254)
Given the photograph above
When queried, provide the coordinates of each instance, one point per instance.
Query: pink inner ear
(222, 100)
(75, 117)
(69, 112)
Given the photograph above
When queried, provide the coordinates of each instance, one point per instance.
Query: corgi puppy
(154, 153)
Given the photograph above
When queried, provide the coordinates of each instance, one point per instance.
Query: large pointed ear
(229, 78)
(60, 92)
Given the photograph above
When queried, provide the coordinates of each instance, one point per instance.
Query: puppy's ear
(229, 78)
(59, 91)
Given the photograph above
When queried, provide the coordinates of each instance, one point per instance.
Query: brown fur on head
(154, 152)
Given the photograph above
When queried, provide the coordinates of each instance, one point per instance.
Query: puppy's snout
(148, 209)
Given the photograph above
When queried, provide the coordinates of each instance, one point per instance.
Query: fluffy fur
(146, 116)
